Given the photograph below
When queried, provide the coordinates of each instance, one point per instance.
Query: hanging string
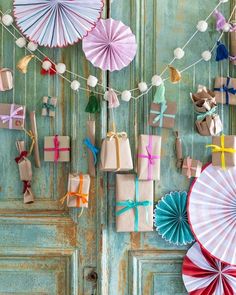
(193, 115)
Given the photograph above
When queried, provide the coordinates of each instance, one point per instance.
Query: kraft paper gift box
(223, 151)
(12, 116)
(149, 154)
(57, 148)
(78, 190)
(204, 99)
(191, 168)
(134, 204)
(25, 170)
(225, 90)
(49, 106)
(6, 79)
(116, 153)
(209, 126)
(163, 115)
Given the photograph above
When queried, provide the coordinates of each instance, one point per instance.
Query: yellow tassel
(175, 75)
(22, 64)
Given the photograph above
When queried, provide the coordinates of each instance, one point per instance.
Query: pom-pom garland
(7, 20)
(207, 55)
(46, 65)
(142, 86)
(179, 53)
(75, 85)
(21, 42)
(32, 46)
(60, 68)
(156, 80)
(92, 81)
(202, 26)
(126, 95)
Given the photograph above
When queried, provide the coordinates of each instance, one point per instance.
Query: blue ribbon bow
(227, 90)
(134, 204)
(92, 148)
(48, 107)
(161, 114)
(202, 116)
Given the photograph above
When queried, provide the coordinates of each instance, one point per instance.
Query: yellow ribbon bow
(117, 136)
(221, 149)
(79, 195)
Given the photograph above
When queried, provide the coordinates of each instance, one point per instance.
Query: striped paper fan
(205, 275)
(110, 46)
(56, 23)
(212, 212)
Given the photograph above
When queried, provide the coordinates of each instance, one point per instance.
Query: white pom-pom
(92, 81)
(75, 85)
(126, 95)
(179, 53)
(106, 95)
(46, 65)
(206, 55)
(7, 20)
(21, 42)
(223, 1)
(157, 80)
(32, 46)
(226, 27)
(202, 26)
(60, 68)
(142, 86)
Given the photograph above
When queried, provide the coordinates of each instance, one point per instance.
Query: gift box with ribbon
(12, 116)
(25, 170)
(57, 148)
(203, 100)
(225, 90)
(134, 204)
(6, 79)
(78, 191)
(116, 153)
(209, 123)
(163, 114)
(223, 151)
(149, 155)
(49, 106)
(191, 168)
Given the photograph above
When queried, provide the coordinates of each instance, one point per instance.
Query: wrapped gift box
(12, 116)
(6, 79)
(78, 190)
(149, 154)
(204, 99)
(57, 148)
(209, 126)
(129, 191)
(225, 90)
(49, 106)
(163, 115)
(116, 153)
(191, 168)
(223, 151)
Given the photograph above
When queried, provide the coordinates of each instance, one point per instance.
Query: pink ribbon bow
(13, 115)
(151, 158)
(189, 167)
(56, 149)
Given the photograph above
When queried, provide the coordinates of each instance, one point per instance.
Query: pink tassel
(220, 20)
(112, 99)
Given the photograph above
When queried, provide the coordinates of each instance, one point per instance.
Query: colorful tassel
(113, 101)
(175, 75)
(221, 52)
(220, 20)
(159, 96)
(93, 105)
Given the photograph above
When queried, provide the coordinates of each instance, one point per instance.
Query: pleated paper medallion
(212, 212)
(205, 275)
(56, 23)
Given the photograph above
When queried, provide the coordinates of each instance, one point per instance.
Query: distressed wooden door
(46, 248)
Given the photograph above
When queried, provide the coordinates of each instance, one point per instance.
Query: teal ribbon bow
(202, 116)
(134, 204)
(48, 106)
(161, 114)
(92, 148)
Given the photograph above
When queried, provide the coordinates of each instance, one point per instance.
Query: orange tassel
(175, 75)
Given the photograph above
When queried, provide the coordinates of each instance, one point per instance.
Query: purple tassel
(220, 20)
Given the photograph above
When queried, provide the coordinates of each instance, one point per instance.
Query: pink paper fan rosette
(56, 23)
(205, 275)
(212, 212)
(110, 46)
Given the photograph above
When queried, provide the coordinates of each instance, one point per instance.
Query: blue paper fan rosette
(170, 219)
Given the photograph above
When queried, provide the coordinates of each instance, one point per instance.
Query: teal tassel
(159, 96)
(221, 52)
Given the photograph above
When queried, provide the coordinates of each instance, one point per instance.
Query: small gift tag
(163, 115)
(57, 148)
(49, 106)
(12, 116)
(225, 90)
(191, 168)
(6, 79)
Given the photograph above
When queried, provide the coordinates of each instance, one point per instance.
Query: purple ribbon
(151, 158)
(13, 115)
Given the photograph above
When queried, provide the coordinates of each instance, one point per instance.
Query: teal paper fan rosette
(170, 219)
